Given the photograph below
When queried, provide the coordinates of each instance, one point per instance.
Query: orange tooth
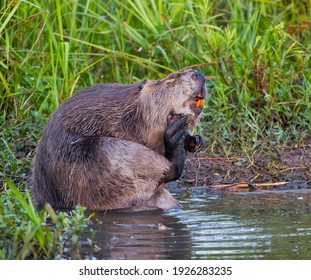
(199, 103)
(200, 95)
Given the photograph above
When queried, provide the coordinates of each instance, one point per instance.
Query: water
(274, 225)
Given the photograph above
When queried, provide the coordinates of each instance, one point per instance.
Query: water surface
(274, 225)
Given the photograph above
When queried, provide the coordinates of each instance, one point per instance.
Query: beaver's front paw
(174, 136)
(194, 143)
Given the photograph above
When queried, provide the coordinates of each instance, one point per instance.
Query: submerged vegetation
(255, 54)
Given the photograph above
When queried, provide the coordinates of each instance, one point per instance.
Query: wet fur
(104, 148)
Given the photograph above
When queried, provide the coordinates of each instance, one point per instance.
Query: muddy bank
(285, 164)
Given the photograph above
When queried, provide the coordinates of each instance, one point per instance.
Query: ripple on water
(270, 226)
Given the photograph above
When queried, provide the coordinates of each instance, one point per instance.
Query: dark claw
(200, 142)
(194, 143)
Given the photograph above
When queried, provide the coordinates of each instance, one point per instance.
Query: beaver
(114, 146)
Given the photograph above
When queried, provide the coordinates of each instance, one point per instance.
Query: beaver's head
(178, 93)
(187, 91)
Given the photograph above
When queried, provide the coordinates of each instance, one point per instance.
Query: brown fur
(104, 148)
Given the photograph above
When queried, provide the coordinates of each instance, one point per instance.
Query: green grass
(261, 50)
(260, 53)
(29, 234)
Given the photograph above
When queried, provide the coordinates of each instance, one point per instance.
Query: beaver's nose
(197, 76)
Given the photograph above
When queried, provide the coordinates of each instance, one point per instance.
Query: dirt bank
(283, 164)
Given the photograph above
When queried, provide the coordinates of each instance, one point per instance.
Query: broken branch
(244, 184)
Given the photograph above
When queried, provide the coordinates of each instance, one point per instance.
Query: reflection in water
(140, 235)
(211, 226)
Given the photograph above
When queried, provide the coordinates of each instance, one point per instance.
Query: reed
(261, 50)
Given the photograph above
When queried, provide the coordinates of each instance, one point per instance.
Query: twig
(210, 77)
(14, 176)
(210, 158)
(293, 168)
(244, 184)
(198, 65)
(205, 64)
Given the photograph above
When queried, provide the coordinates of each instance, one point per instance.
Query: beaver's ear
(142, 84)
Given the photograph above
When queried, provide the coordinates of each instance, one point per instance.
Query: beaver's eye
(195, 77)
